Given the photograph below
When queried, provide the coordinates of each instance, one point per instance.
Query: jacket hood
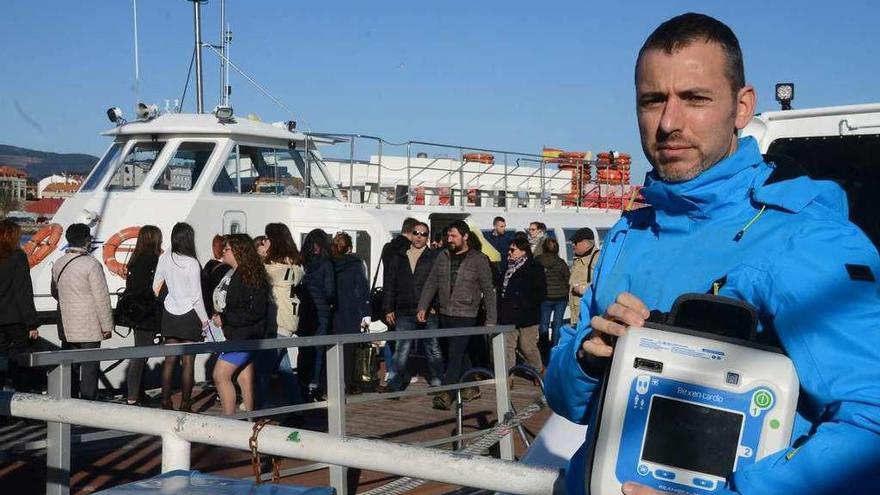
(725, 185)
(345, 261)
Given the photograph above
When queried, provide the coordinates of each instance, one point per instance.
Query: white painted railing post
(175, 453)
(336, 411)
(58, 436)
(502, 392)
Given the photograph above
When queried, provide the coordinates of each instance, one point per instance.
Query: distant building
(45, 207)
(60, 190)
(13, 182)
(57, 179)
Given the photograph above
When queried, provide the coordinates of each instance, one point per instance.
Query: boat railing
(525, 180)
(60, 364)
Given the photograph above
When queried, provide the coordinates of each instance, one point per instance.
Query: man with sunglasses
(408, 269)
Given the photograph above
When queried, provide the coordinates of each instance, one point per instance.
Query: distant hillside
(39, 164)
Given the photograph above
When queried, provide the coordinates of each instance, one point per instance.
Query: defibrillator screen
(691, 436)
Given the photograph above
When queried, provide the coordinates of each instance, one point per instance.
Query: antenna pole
(137, 70)
(197, 20)
(223, 49)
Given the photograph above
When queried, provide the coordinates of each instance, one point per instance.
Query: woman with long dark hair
(18, 316)
(317, 297)
(184, 318)
(240, 301)
(139, 285)
(353, 308)
(284, 267)
(522, 291)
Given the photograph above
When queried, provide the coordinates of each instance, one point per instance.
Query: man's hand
(421, 317)
(631, 488)
(106, 335)
(216, 320)
(33, 334)
(389, 318)
(627, 310)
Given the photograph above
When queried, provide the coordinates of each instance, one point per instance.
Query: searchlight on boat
(224, 114)
(784, 94)
(146, 112)
(115, 115)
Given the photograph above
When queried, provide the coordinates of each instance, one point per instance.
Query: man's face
(687, 111)
(582, 247)
(534, 231)
(455, 241)
(500, 227)
(419, 237)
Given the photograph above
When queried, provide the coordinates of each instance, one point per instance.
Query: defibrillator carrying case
(680, 409)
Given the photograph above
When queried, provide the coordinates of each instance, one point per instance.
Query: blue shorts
(239, 358)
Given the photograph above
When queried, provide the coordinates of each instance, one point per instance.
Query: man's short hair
(461, 226)
(682, 31)
(498, 219)
(409, 223)
(539, 225)
(78, 235)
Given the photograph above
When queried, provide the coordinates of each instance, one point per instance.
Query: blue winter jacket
(801, 263)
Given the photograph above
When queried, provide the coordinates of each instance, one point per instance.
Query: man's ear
(745, 105)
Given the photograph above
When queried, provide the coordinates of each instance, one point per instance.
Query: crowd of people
(265, 287)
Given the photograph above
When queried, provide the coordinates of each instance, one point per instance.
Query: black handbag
(132, 309)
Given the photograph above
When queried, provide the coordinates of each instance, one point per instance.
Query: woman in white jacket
(284, 268)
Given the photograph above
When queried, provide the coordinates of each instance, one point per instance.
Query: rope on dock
(403, 485)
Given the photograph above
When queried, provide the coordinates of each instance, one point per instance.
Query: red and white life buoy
(42, 243)
(114, 245)
(487, 158)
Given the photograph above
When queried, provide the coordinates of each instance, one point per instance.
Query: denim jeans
(401, 355)
(557, 308)
(318, 369)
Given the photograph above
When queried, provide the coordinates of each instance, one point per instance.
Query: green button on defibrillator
(763, 399)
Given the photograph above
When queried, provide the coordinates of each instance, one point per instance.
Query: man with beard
(459, 280)
(725, 220)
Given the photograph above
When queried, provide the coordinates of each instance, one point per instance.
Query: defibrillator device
(681, 409)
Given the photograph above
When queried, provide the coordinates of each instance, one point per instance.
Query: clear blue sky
(504, 74)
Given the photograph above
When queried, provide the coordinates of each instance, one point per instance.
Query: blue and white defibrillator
(684, 409)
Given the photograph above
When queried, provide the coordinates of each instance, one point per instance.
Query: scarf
(512, 266)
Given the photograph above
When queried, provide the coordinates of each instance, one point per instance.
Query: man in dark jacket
(500, 239)
(460, 279)
(408, 271)
(390, 250)
(352, 312)
(553, 306)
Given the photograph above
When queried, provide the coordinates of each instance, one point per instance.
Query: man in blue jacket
(759, 231)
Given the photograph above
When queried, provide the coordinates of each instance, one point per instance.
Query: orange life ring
(577, 155)
(42, 243)
(479, 157)
(114, 245)
(613, 155)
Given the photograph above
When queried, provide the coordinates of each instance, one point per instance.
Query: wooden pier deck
(103, 464)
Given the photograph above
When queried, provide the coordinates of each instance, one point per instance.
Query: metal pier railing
(58, 440)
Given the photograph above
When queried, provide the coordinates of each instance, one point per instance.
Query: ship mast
(197, 20)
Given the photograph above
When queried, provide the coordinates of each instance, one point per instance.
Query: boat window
(135, 166)
(253, 170)
(319, 186)
(851, 161)
(102, 166)
(185, 167)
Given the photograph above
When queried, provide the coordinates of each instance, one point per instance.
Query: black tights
(187, 374)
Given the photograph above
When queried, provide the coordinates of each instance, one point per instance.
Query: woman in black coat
(139, 286)
(317, 295)
(18, 316)
(522, 291)
(241, 301)
(353, 302)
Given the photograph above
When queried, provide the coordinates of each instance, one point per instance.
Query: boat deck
(103, 464)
